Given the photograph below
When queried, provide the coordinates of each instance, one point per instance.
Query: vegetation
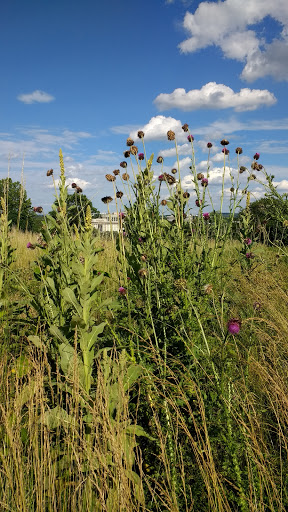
(76, 207)
(19, 208)
(148, 372)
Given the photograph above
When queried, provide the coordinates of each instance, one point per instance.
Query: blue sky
(85, 75)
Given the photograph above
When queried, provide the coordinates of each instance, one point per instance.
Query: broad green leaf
(36, 341)
(137, 430)
(57, 417)
(132, 373)
(69, 296)
(22, 366)
(51, 284)
(71, 363)
(26, 394)
(55, 331)
(91, 337)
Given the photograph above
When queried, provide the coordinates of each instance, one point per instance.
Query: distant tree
(269, 216)
(76, 208)
(20, 210)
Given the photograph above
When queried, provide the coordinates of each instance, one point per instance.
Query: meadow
(146, 371)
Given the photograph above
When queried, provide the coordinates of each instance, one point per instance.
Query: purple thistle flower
(256, 156)
(30, 246)
(140, 239)
(198, 202)
(249, 255)
(206, 216)
(248, 241)
(141, 156)
(234, 325)
(190, 138)
(209, 145)
(161, 177)
(225, 151)
(122, 290)
(204, 182)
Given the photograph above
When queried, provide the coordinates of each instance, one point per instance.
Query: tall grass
(128, 388)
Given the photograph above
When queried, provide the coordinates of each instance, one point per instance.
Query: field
(146, 371)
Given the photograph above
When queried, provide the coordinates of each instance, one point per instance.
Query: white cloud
(282, 185)
(184, 149)
(226, 25)
(80, 183)
(157, 128)
(215, 96)
(36, 97)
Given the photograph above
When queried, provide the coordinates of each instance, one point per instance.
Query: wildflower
(186, 195)
(122, 215)
(30, 246)
(185, 127)
(38, 209)
(160, 160)
(208, 288)
(239, 151)
(161, 177)
(119, 194)
(79, 190)
(248, 241)
(134, 150)
(50, 172)
(163, 202)
(249, 255)
(122, 290)
(74, 185)
(209, 145)
(129, 142)
(126, 153)
(169, 178)
(204, 182)
(125, 176)
(140, 239)
(242, 169)
(106, 199)
(116, 172)
(255, 166)
(143, 272)
(234, 325)
(110, 177)
(256, 156)
(190, 138)
(260, 167)
(141, 156)
(200, 176)
(174, 171)
(198, 202)
(225, 151)
(232, 189)
(140, 134)
(224, 142)
(171, 135)
(252, 177)
(123, 164)
(206, 216)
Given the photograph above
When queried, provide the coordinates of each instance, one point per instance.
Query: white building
(105, 223)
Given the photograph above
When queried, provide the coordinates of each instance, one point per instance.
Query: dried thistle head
(126, 153)
(110, 177)
(143, 272)
(186, 195)
(185, 127)
(174, 171)
(239, 151)
(74, 185)
(160, 159)
(200, 176)
(125, 176)
(209, 145)
(116, 172)
(140, 134)
(224, 142)
(106, 199)
(134, 150)
(170, 135)
(79, 190)
(163, 202)
(129, 142)
(242, 169)
(50, 172)
(169, 178)
(119, 194)
(123, 165)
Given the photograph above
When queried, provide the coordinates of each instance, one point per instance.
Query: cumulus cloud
(36, 97)
(158, 126)
(215, 96)
(226, 25)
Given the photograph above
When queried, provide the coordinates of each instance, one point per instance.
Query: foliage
(76, 208)
(19, 208)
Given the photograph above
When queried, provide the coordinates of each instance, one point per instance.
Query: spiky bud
(140, 134)
(224, 142)
(170, 135)
(134, 150)
(116, 172)
(119, 194)
(125, 176)
(123, 164)
(106, 199)
(50, 172)
(185, 127)
(239, 151)
(126, 153)
(200, 176)
(160, 160)
(174, 171)
(129, 142)
(110, 177)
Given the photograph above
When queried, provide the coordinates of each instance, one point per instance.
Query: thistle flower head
(160, 159)
(186, 195)
(163, 202)
(185, 127)
(126, 153)
(225, 151)
(200, 176)
(129, 142)
(247, 241)
(106, 199)
(50, 172)
(206, 216)
(30, 246)
(123, 164)
(125, 176)
(209, 145)
(190, 138)
(119, 194)
(140, 134)
(122, 290)
(134, 150)
(234, 325)
(161, 177)
(74, 185)
(170, 135)
(141, 156)
(242, 169)
(256, 156)
(110, 177)
(204, 182)
(174, 171)
(224, 142)
(239, 151)
(249, 255)
(198, 202)
(78, 190)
